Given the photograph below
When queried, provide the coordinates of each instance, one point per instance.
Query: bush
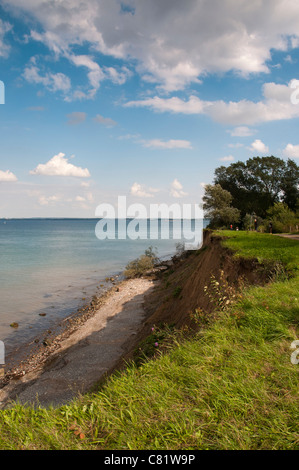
(262, 229)
(138, 267)
(282, 218)
(248, 223)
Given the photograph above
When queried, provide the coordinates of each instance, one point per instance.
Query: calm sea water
(54, 267)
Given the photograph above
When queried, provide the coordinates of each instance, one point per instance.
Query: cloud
(170, 144)
(7, 176)
(45, 201)
(59, 166)
(259, 146)
(177, 189)
(5, 27)
(95, 74)
(138, 190)
(171, 43)
(87, 198)
(276, 105)
(229, 158)
(80, 199)
(291, 151)
(105, 121)
(52, 81)
(289, 59)
(76, 118)
(241, 131)
(118, 77)
(236, 146)
(193, 105)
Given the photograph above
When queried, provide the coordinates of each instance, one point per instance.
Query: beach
(50, 268)
(67, 314)
(74, 361)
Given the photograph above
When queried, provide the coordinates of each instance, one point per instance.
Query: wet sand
(75, 361)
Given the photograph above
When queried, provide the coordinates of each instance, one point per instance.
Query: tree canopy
(217, 206)
(257, 184)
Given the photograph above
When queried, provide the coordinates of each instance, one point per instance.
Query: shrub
(283, 219)
(138, 267)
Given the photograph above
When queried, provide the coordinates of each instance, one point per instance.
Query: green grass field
(230, 386)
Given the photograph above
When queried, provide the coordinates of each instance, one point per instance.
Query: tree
(282, 217)
(257, 184)
(290, 186)
(217, 206)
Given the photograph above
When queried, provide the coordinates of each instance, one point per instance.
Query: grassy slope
(232, 386)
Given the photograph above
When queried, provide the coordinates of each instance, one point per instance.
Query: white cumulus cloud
(291, 151)
(259, 146)
(242, 131)
(7, 176)
(59, 166)
(177, 189)
(138, 190)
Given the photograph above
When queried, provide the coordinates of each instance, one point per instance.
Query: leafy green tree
(217, 206)
(257, 184)
(290, 185)
(282, 218)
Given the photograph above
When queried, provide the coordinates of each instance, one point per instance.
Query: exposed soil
(181, 287)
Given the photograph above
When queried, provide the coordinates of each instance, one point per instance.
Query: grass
(263, 247)
(230, 386)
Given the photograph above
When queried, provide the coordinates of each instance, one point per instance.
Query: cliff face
(181, 287)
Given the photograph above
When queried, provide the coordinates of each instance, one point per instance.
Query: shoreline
(45, 338)
(43, 344)
(83, 354)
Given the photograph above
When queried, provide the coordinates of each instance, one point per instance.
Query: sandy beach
(84, 354)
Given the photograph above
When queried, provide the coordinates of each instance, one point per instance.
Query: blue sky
(140, 98)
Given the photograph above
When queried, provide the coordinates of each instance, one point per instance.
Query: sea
(50, 268)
